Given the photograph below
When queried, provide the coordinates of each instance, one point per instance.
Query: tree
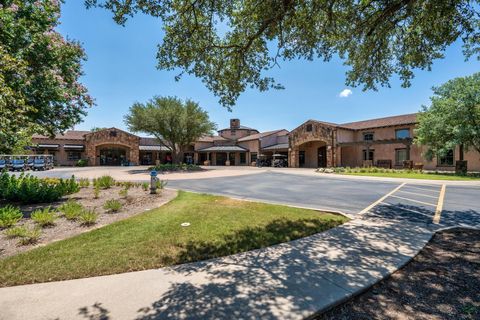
(176, 124)
(39, 72)
(96, 129)
(452, 119)
(230, 45)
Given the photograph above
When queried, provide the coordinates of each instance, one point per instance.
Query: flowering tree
(39, 72)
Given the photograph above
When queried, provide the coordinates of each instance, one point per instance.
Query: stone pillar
(293, 161)
(330, 156)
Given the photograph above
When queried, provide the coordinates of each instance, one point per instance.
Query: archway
(313, 154)
(112, 155)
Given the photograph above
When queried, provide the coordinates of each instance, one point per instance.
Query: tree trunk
(176, 156)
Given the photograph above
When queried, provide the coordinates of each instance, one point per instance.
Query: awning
(153, 148)
(73, 146)
(48, 146)
(223, 149)
(277, 146)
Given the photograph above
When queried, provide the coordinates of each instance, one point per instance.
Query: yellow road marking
(381, 199)
(438, 212)
(419, 194)
(412, 200)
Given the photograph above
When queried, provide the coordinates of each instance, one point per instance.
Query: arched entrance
(112, 155)
(312, 154)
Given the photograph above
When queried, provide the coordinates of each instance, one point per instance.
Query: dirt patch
(441, 282)
(136, 202)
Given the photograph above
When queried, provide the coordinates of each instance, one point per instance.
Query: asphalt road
(413, 202)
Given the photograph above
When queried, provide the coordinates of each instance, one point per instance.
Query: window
(309, 127)
(74, 155)
(113, 133)
(402, 133)
(400, 156)
(254, 156)
(370, 155)
(368, 136)
(447, 159)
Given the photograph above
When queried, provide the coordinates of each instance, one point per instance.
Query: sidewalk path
(287, 281)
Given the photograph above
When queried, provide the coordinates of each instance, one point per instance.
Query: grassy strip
(219, 226)
(413, 175)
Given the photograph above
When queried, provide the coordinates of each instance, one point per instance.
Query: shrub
(96, 192)
(30, 189)
(84, 182)
(9, 216)
(31, 236)
(112, 205)
(123, 193)
(176, 167)
(71, 209)
(88, 217)
(161, 184)
(105, 182)
(145, 186)
(16, 232)
(44, 217)
(81, 163)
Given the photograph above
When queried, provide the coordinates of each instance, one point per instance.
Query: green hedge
(30, 189)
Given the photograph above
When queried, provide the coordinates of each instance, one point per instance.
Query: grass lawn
(219, 226)
(413, 175)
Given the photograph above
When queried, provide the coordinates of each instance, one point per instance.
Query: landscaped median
(191, 227)
(401, 173)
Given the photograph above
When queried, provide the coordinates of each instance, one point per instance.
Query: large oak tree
(453, 118)
(231, 45)
(176, 124)
(39, 72)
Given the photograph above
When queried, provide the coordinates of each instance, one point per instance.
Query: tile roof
(211, 139)
(277, 146)
(239, 128)
(68, 135)
(147, 141)
(381, 122)
(260, 135)
(224, 149)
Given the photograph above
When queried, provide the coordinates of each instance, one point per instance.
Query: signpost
(153, 182)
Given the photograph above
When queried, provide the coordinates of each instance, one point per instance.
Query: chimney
(234, 123)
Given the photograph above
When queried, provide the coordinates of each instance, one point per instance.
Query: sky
(121, 70)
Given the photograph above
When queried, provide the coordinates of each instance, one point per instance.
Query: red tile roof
(261, 135)
(68, 135)
(403, 119)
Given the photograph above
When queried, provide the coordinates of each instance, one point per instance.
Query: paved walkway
(288, 281)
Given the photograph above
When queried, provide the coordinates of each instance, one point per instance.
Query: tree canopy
(176, 124)
(39, 72)
(453, 118)
(231, 45)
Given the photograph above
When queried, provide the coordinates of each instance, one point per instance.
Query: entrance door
(221, 158)
(301, 159)
(232, 158)
(112, 156)
(322, 157)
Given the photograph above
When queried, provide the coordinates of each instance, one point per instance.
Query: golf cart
(17, 164)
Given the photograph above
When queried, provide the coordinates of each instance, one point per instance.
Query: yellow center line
(412, 200)
(438, 211)
(419, 194)
(381, 199)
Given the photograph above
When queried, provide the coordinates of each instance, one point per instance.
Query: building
(384, 142)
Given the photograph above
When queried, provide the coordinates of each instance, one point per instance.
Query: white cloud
(345, 93)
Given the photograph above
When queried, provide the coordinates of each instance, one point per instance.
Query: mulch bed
(136, 202)
(441, 282)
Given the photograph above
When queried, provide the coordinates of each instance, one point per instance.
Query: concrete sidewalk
(288, 281)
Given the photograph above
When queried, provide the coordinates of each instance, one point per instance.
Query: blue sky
(121, 70)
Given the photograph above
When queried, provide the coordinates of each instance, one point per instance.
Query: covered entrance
(113, 156)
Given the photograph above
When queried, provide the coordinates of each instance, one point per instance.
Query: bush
(44, 217)
(31, 236)
(123, 193)
(84, 182)
(112, 205)
(104, 182)
(16, 232)
(30, 189)
(81, 163)
(71, 209)
(96, 192)
(145, 186)
(88, 217)
(161, 184)
(9, 216)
